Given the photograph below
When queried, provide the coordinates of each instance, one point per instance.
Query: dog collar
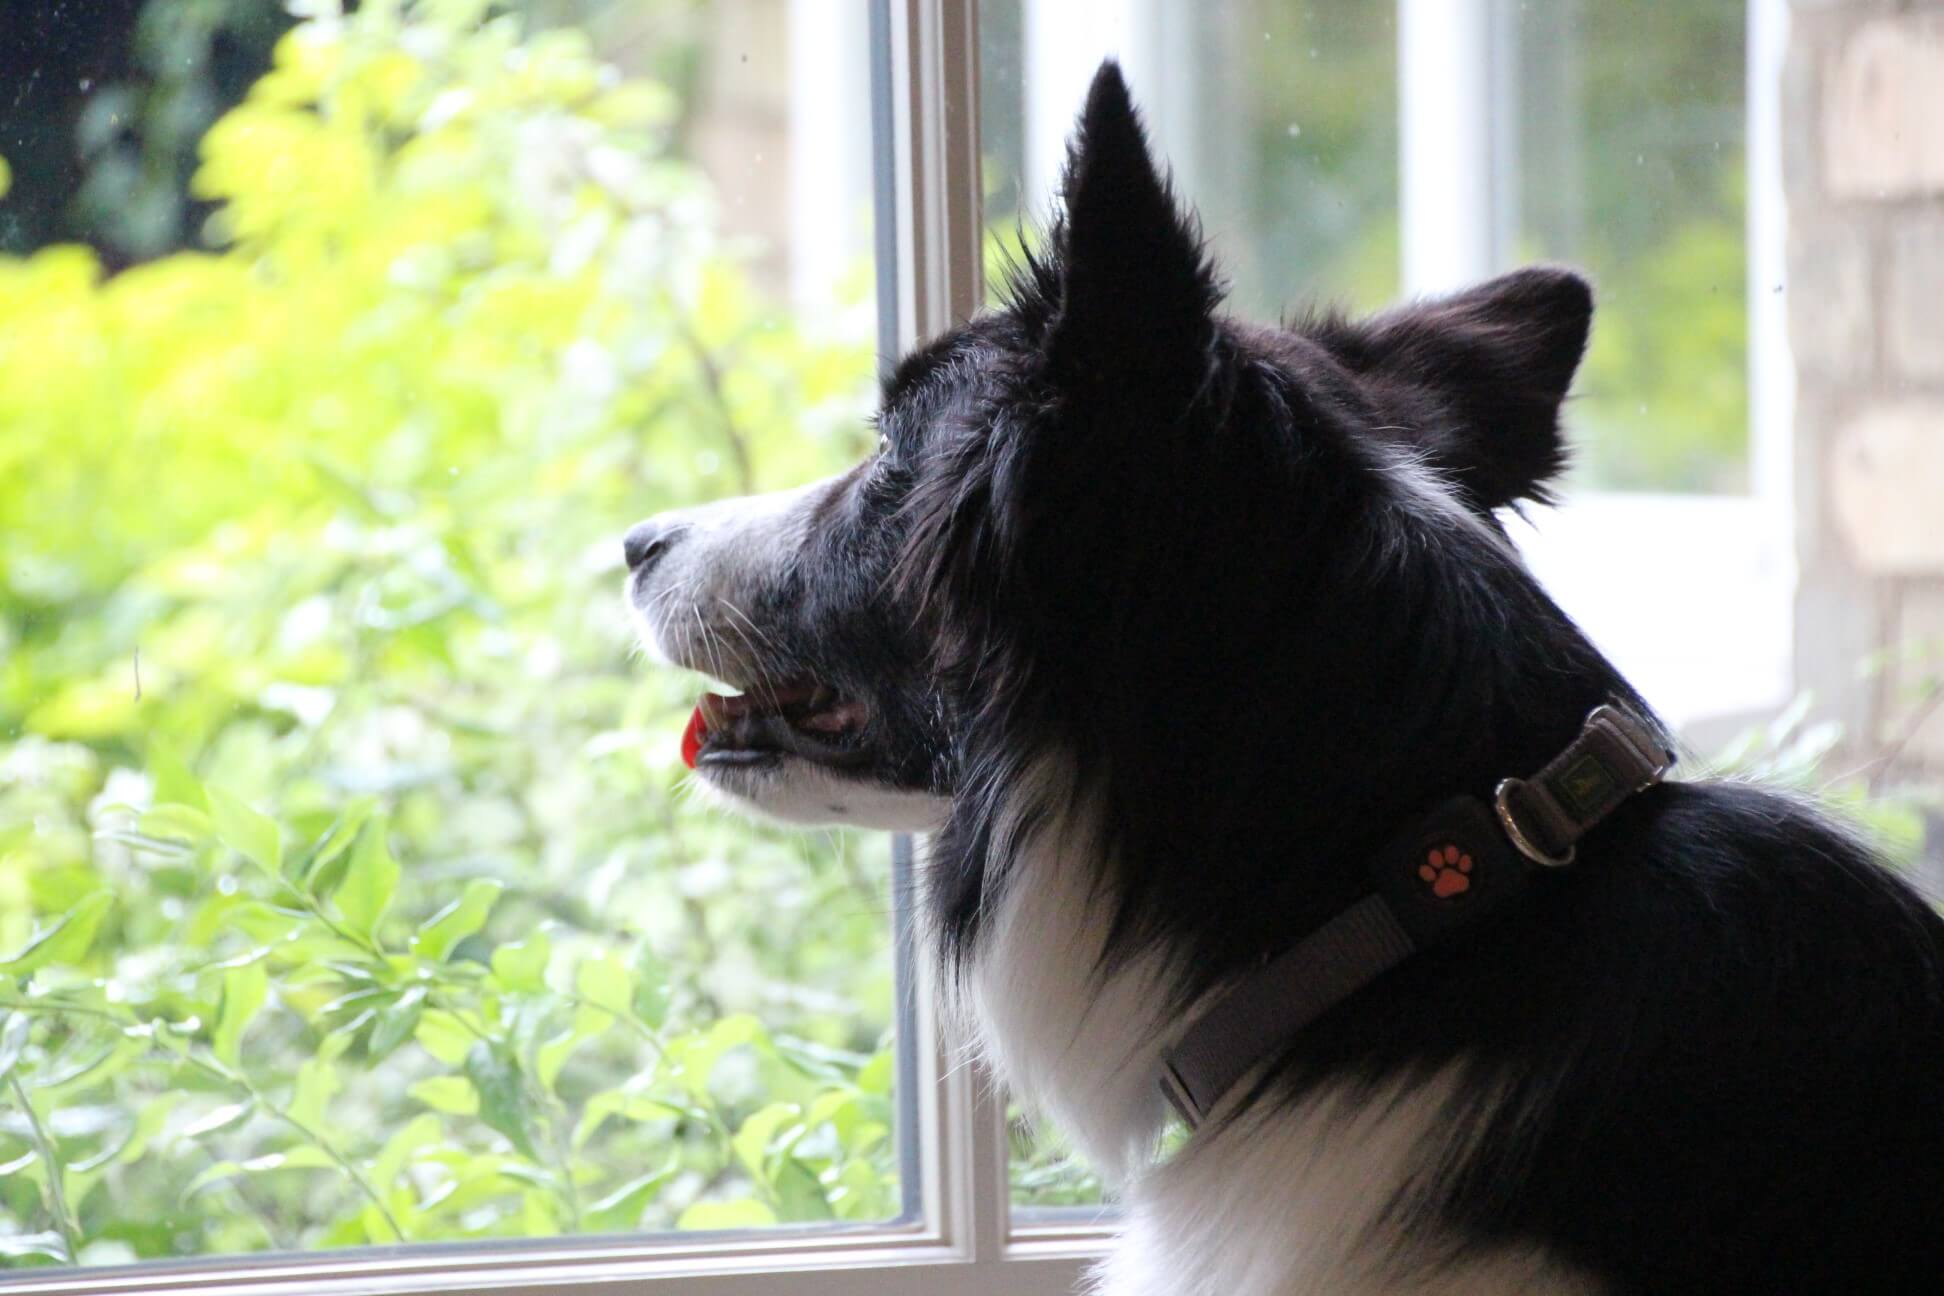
(1451, 868)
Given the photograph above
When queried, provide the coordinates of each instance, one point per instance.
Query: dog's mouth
(766, 723)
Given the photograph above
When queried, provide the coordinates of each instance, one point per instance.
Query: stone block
(1914, 296)
(1832, 330)
(1887, 487)
(1802, 66)
(1883, 109)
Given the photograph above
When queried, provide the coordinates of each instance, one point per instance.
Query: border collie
(1164, 626)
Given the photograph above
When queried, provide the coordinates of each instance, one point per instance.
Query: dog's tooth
(718, 710)
(841, 718)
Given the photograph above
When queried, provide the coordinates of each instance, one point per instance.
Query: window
(1636, 140)
(356, 925)
(353, 931)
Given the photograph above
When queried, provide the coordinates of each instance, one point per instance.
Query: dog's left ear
(1134, 314)
(1482, 375)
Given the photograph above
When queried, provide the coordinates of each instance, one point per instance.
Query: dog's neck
(1082, 1030)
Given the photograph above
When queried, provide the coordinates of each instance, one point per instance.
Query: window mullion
(935, 109)
(1449, 224)
(938, 282)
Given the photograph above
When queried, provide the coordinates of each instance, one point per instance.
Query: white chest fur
(1287, 1200)
(1292, 1202)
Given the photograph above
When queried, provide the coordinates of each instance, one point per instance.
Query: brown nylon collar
(1448, 870)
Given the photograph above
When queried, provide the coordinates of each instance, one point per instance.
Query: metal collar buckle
(1501, 803)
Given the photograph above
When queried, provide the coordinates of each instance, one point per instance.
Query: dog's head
(1196, 558)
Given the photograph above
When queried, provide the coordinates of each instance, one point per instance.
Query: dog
(1167, 628)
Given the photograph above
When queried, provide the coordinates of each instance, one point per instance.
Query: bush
(349, 894)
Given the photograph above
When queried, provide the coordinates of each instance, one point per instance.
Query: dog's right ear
(1484, 372)
(1128, 296)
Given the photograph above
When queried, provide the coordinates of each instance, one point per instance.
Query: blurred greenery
(1631, 119)
(105, 106)
(347, 894)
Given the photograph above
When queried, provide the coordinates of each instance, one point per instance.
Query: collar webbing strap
(1451, 868)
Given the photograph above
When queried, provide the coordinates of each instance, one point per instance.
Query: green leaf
(317, 1081)
(798, 1195)
(840, 1108)
(693, 1057)
(149, 1123)
(523, 964)
(635, 1107)
(271, 924)
(605, 983)
(453, 1095)
(397, 1022)
(66, 941)
(753, 1141)
(302, 1157)
(50, 1245)
(457, 920)
(369, 881)
(249, 833)
(651, 987)
(244, 990)
(417, 1133)
(444, 1036)
(221, 1118)
(719, 1215)
(875, 1076)
(179, 823)
(503, 1103)
(621, 1209)
(322, 868)
(174, 781)
(13, 1042)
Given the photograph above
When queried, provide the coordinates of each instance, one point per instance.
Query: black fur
(1245, 581)
(1175, 547)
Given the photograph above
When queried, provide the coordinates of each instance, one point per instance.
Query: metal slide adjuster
(1501, 802)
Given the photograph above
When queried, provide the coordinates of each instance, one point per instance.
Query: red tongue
(692, 737)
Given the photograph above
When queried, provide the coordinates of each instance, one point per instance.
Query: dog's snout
(648, 542)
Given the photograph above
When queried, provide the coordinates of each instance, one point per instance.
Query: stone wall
(1863, 125)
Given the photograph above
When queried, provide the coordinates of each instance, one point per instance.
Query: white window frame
(1692, 595)
(964, 1240)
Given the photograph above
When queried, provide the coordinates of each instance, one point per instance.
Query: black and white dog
(1163, 625)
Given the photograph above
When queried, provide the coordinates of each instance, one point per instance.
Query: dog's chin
(796, 790)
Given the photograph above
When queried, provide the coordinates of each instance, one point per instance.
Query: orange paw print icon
(1446, 869)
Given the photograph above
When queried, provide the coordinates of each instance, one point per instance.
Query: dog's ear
(1132, 316)
(1483, 374)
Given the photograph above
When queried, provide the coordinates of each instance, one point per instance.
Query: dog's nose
(647, 542)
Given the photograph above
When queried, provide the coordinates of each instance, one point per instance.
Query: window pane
(1630, 123)
(349, 888)
(1279, 120)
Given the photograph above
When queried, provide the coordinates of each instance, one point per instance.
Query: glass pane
(1630, 124)
(351, 894)
(1279, 120)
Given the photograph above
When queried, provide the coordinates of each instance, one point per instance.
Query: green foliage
(345, 892)
(1663, 395)
(1044, 1170)
(1791, 751)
